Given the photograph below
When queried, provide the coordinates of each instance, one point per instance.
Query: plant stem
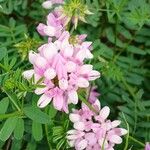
(135, 140)
(12, 99)
(46, 132)
(88, 104)
(5, 116)
(127, 136)
(130, 89)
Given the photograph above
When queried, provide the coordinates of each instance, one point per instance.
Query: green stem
(46, 132)
(130, 90)
(127, 136)
(5, 116)
(127, 44)
(88, 104)
(12, 99)
(135, 140)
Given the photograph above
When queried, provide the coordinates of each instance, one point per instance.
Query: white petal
(73, 97)
(50, 31)
(28, 74)
(47, 4)
(83, 83)
(115, 123)
(40, 91)
(44, 101)
(89, 55)
(123, 131)
(49, 51)
(50, 73)
(71, 143)
(32, 57)
(115, 139)
(98, 104)
(79, 126)
(94, 75)
(40, 62)
(104, 113)
(71, 131)
(85, 69)
(74, 118)
(63, 84)
(70, 66)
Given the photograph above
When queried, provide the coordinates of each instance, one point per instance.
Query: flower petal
(82, 82)
(73, 97)
(50, 73)
(104, 113)
(44, 101)
(115, 139)
(28, 74)
(74, 118)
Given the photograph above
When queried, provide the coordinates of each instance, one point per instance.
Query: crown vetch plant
(61, 64)
(51, 90)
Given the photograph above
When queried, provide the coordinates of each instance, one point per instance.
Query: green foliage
(120, 31)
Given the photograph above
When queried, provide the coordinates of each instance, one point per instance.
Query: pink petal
(58, 102)
(44, 101)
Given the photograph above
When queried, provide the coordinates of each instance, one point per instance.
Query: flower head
(61, 65)
(94, 131)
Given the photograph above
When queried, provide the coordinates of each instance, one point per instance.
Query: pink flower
(54, 26)
(92, 131)
(147, 147)
(62, 72)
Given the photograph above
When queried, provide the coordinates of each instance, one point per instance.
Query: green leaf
(4, 105)
(36, 115)
(3, 52)
(52, 112)
(8, 128)
(19, 129)
(37, 131)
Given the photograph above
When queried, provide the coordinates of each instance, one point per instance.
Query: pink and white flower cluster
(60, 71)
(61, 63)
(94, 131)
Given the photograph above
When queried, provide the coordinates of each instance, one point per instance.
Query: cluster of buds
(60, 71)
